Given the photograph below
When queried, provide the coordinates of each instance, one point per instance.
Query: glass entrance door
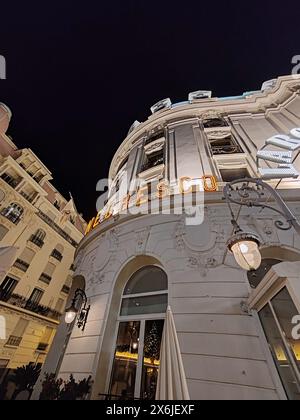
(276, 318)
(136, 359)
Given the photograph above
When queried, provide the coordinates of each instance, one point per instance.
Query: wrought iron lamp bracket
(251, 194)
(84, 309)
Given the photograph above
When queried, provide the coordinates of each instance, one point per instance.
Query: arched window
(140, 325)
(57, 252)
(40, 234)
(38, 238)
(13, 212)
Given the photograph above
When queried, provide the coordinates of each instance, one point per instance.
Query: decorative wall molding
(179, 235)
(113, 239)
(141, 238)
(154, 146)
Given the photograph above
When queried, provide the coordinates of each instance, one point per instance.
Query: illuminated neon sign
(141, 196)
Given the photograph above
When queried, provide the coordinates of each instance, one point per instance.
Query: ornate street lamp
(250, 192)
(81, 313)
(245, 248)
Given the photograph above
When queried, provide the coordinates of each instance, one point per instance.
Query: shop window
(276, 318)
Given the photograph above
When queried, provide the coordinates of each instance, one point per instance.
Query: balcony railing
(57, 229)
(45, 278)
(36, 240)
(42, 346)
(22, 302)
(13, 341)
(21, 265)
(56, 254)
(65, 289)
(13, 182)
(225, 150)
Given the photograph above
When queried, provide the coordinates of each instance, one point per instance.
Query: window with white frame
(231, 168)
(139, 331)
(153, 157)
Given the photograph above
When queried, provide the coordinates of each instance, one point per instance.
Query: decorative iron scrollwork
(250, 192)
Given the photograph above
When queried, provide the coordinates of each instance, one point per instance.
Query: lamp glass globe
(247, 254)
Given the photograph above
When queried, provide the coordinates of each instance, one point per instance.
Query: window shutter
(49, 269)
(27, 255)
(3, 232)
(20, 327)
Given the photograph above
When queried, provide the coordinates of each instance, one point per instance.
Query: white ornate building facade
(234, 327)
(39, 232)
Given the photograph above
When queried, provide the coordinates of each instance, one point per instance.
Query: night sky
(80, 73)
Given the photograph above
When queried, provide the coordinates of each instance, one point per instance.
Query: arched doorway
(140, 325)
(129, 359)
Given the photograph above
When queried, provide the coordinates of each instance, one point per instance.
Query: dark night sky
(79, 73)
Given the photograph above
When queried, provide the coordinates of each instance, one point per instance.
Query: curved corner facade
(133, 265)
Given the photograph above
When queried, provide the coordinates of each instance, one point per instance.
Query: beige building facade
(39, 233)
(235, 328)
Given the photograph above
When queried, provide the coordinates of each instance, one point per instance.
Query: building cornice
(211, 199)
(258, 102)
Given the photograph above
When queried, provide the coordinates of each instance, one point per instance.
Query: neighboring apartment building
(234, 327)
(39, 232)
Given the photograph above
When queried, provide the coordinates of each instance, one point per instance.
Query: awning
(171, 382)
